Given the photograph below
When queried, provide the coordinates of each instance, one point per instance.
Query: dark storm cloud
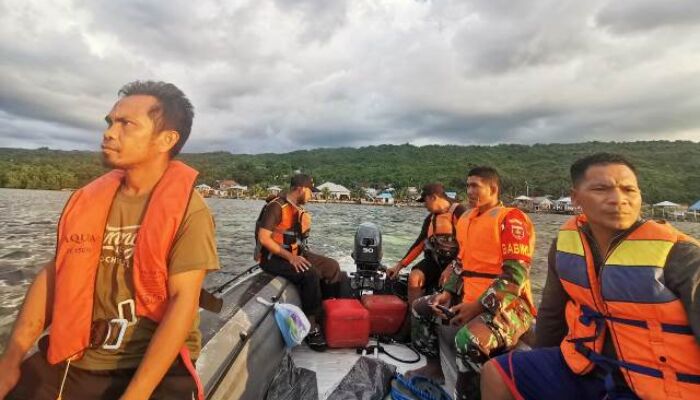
(625, 16)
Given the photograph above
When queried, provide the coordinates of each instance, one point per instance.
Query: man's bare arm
(265, 239)
(298, 262)
(183, 289)
(33, 318)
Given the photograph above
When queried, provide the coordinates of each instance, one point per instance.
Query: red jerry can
(346, 323)
(386, 313)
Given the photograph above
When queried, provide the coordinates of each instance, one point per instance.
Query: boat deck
(243, 347)
(333, 364)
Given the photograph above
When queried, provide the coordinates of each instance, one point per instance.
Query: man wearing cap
(282, 231)
(436, 241)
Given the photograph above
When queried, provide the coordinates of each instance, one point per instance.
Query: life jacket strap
(472, 274)
(609, 364)
(187, 361)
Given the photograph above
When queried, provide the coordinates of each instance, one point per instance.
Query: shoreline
(692, 217)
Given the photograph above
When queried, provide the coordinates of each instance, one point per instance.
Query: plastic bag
(291, 320)
(292, 383)
(369, 379)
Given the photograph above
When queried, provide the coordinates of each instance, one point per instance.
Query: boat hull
(242, 346)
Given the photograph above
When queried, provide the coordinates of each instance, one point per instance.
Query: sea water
(28, 221)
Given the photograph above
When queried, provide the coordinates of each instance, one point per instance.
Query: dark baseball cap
(432, 189)
(303, 180)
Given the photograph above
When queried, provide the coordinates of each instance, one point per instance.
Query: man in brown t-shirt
(147, 127)
(194, 248)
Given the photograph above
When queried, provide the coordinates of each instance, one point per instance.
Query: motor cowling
(370, 274)
(368, 245)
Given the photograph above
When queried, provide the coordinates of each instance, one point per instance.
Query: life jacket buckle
(457, 267)
(131, 306)
(589, 315)
(122, 325)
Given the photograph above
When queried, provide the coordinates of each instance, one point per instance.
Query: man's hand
(445, 275)
(299, 263)
(465, 312)
(442, 299)
(393, 272)
(9, 376)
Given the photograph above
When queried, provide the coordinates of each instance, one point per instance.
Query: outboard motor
(370, 274)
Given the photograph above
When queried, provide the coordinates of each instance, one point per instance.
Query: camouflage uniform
(424, 328)
(507, 316)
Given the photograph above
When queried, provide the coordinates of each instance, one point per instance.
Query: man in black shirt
(436, 241)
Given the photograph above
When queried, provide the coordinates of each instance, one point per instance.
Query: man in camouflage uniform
(488, 291)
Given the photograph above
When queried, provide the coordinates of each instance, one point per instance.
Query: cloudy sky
(282, 75)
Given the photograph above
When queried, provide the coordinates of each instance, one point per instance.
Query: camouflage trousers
(483, 337)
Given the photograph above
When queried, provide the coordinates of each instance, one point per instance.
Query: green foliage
(326, 193)
(667, 170)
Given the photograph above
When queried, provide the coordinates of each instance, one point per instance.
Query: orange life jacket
(480, 252)
(80, 233)
(292, 231)
(657, 352)
(441, 236)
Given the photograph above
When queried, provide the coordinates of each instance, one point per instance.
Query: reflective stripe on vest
(80, 234)
(657, 352)
(481, 255)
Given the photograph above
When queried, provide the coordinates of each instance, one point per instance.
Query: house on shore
(333, 191)
(695, 207)
(385, 198)
(412, 193)
(237, 191)
(370, 193)
(694, 210)
(524, 203)
(274, 190)
(204, 190)
(542, 203)
(226, 184)
(563, 205)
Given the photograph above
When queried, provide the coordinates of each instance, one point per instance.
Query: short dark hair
(173, 112)
(580, 166)
(488, 174)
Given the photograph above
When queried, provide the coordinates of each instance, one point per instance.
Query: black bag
(369, 379)
(292, 383)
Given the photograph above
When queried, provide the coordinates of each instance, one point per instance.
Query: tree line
(667, 170)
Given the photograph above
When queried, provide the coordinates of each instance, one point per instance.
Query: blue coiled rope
(420, 387)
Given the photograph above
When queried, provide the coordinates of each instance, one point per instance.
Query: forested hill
(668, 170)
